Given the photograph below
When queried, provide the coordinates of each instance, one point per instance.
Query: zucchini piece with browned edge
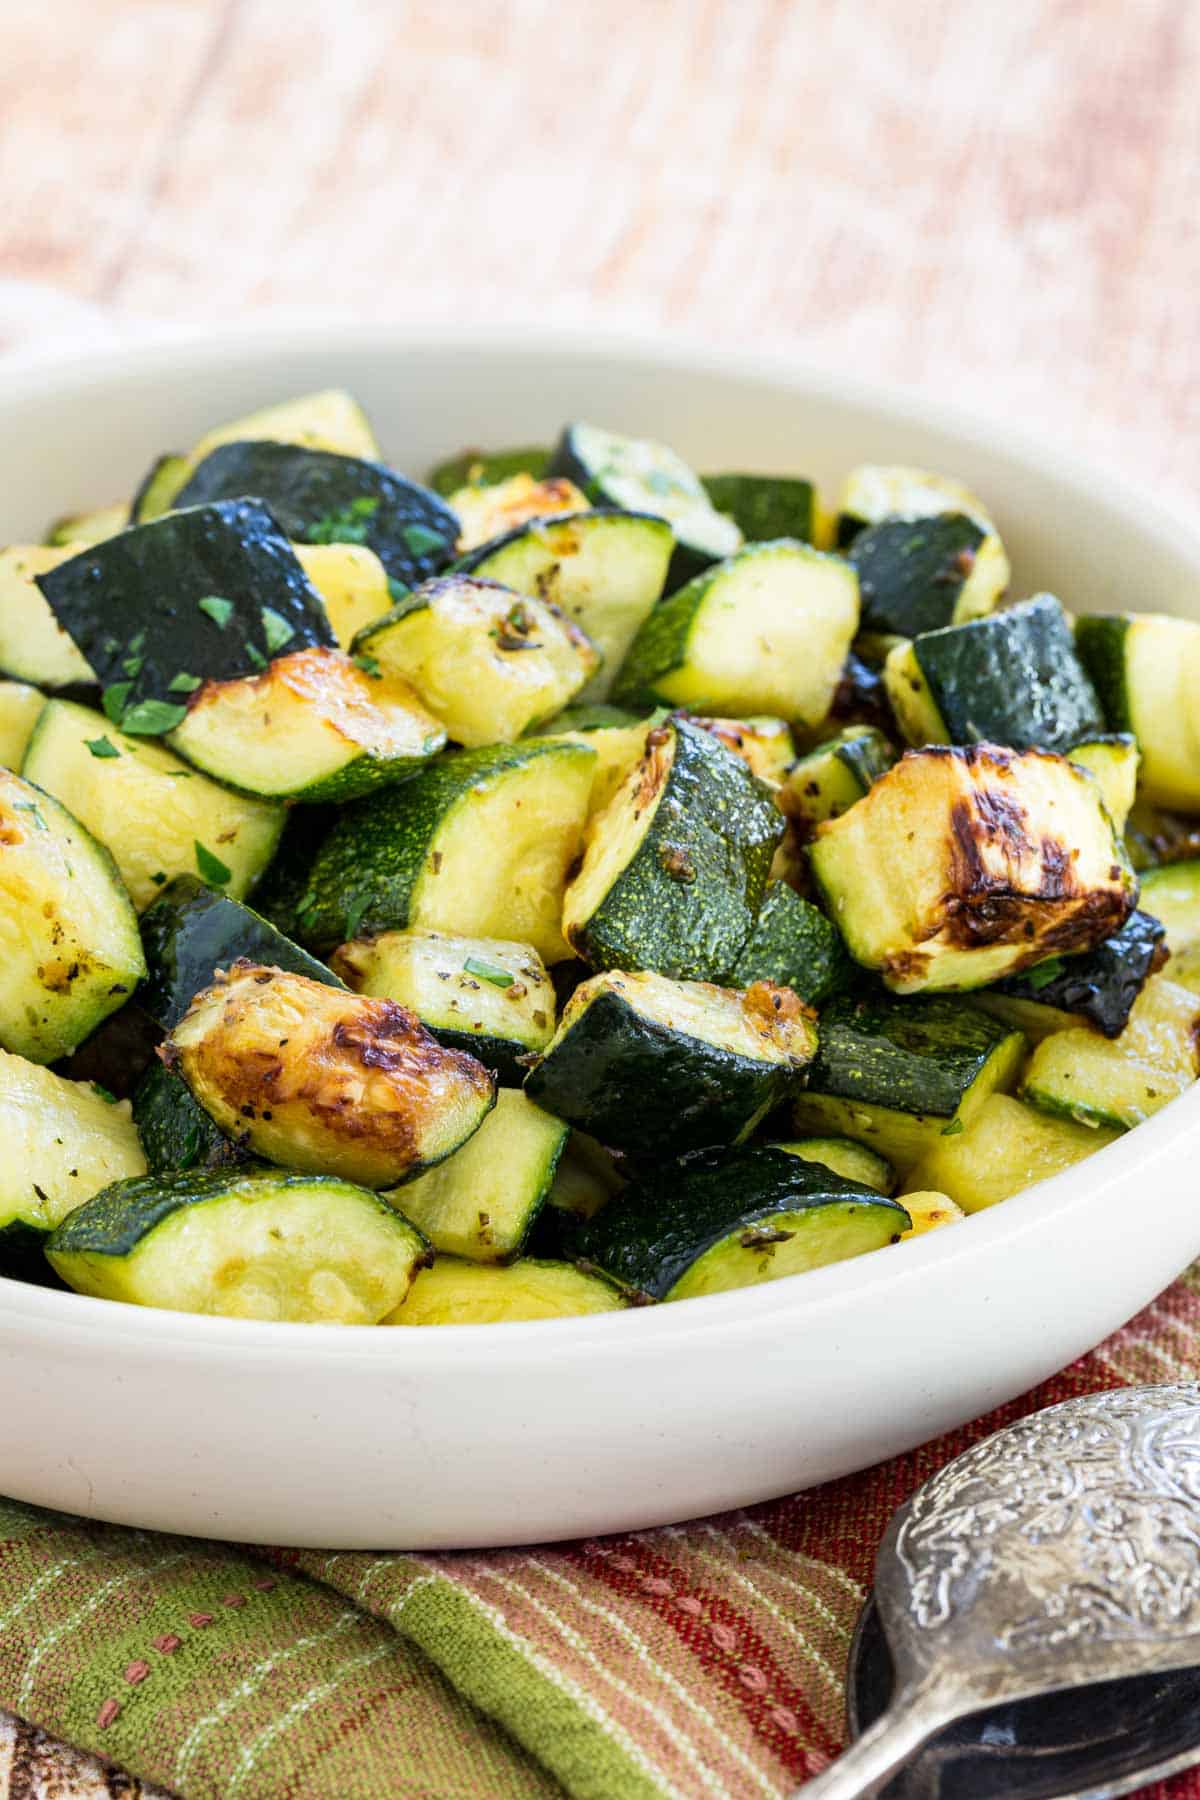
(488, 512)
(242, 1243)
(825, 782)
(489, 997)
(457, 1292)
(725, 1219)
(158, 817)
(1097, 988)
(482, 1202)
(1146, 667)
(768, 631)
(764, 507)
(917, 575)
(20, 709)
(71, 951)
(793, 944)
(33, 645)
(603, 569)
(1006, 1148)
(478, 843)
(851, 1160)
(928, 1211)
(764, 744)
(650, 1065)
(491, 664)
(676, 864)
(319, 1079)
(175, 1131)
(1119, 1082)
(962, 866)
(897, 1074)
(877, 491)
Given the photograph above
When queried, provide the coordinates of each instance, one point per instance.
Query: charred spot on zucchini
(919, 574)
(1006, 1148)
(1097, 988)
(457, 1292)
(63, 1142)
(961, 866)
(478, 843)
(877, 491)
(644, 1063)
(315, 1078)
(725, 1219)
(825, 782)
(898, 1075)
(767, 631)
(33, 645)
(1146, 667)
(487, 468)
(175, 1131)
(1119, 1082)
(793, 944)
(764, 507)
(242, 1243)
(489, 511)
(676, 864)
(490, 663)
(482, 1202)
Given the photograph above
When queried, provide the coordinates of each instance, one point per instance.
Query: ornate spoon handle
(915, 1715)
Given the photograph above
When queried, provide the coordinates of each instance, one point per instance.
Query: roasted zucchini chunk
(63, 1142)
(648, 1065)
(491, 664)
(586, 1178)
(617, 742)
(72, 954)
(764, 744)
(457, 1292)
(481, 1203)
(191, 931)
(793, 944)
(1114, 759)
(487, 511)
(962, 866)
(852, 1161)
(1146, 667)
(486, 468)
(928, 1211)
(158, 817)
(1172, 894)
(877, 491)
(726, 1219)
(313, 726)
(282, 887)
(899, 1074)
(767, 631)
(330, 419)
(33, 645)
(603, 569)
(318, 1079)
(242, 1243)
(478, 843)
(491, 998)
(676, 864)
(1097, 988)
(1012, 678)
(1119, 1082)
(323, 497)
(919, 574)
(825, 782)
(175, 1131)
(765, 507)
(1006, 1147)
(647, 477)
(20, 709)
(353, 585)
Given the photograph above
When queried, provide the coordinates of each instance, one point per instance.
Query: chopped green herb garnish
(151, 718)
(346, 524)
(277, 630)
(953, 1128)
(211, 868)
(115, 698)
(35, 812)
(101, 747)
(255, 657)
(183, 683)
(132, 666)
(1044, 973)
(355, 914)
(137, 643)
(219, 610)
(110, 646)
(369, 665)
(421, 539)
(487, 971)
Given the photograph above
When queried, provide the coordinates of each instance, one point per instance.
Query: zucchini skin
(686, 901)
(278, 893)
(915, 1056)
(316, 496)
(176, 1132)
(116, 1220)
(191, 931)
(159, 488)
(1100, 639)
(487, 468)
(765, 506)
(912, 571)
(1100, 986)
(233, 550)
(649, 1235)
(793, 944)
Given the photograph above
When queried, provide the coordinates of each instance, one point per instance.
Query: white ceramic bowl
(477, 1435)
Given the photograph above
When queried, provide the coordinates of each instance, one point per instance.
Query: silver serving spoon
(1060, 1552)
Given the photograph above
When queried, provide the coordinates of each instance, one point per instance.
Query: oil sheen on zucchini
(651, 1066)
(676, 864)
(457, 1292)
(247, 1244)
(319, 1079)
(726, 1219)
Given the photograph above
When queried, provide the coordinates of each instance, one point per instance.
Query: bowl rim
(28, 373)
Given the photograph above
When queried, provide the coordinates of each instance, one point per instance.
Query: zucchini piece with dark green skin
(486, 996)
(764, 507)
(208, 594)
(159, 488)
(725, 1219)
(676, 864)
(322, 498)
(1171, 892)
(175, 1131)
(457, 1292)
(877, 491)
(825, 782)
(1119, 1082)
(1146, 667)
(1114, 759)
(282, 888)
(894, 1074)
(482, 1203)
(316, 1078)
(1097, 988)
(650, 1065)
(478, 843)
(793, 944)
(1012, 678)
(917, 575)
(644, 476)
(852, 1161)
(486, 468)
(242, 1243)
(72, 951)
(860, 698)
(191, 931)
(767, 631)
(604, 569)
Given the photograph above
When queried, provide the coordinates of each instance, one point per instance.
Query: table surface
(997, 202)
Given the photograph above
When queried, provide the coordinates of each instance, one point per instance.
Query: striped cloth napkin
(702, 1661)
